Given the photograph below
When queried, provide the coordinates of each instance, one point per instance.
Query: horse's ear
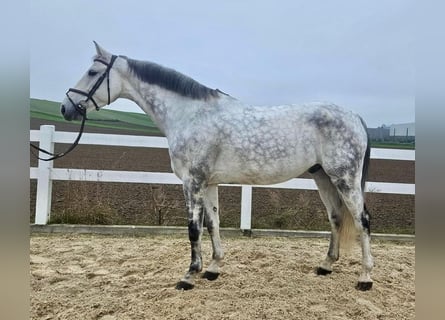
(101, 51)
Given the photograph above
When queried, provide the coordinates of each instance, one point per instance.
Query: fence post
(44, 183)
(246, 208)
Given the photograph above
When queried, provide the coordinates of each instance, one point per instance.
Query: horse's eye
(92, 73)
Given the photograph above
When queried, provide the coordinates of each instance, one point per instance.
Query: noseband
(93, 90)
(81, 109)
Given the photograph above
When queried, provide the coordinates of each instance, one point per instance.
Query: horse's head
(99, 86)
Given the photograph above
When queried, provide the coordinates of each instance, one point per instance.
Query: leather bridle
(81, 109)
(93, 90)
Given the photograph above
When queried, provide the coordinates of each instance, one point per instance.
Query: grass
(393, 145)
(138, 122)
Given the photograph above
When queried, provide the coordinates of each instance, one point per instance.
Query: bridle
(93, 90)
(81, 109)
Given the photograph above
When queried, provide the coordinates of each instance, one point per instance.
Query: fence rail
(45, 173)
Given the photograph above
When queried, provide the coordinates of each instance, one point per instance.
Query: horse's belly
(258, 173)
(258, 179)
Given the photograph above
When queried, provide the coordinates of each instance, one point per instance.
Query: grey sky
(358, 54)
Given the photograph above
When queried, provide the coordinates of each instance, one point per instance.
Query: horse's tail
(348, 231)
(366, 158)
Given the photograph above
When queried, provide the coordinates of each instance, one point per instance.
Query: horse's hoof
(323, 272)
(364, 286)
(182, 285)
(210, 275)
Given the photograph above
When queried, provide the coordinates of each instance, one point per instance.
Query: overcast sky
(357, 54)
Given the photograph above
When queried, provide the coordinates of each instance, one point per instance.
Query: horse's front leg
(212, 222)
(194, 195)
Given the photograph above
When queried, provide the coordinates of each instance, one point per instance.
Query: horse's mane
(170, 79)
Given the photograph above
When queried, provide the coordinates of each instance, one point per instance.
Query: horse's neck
(167, 109)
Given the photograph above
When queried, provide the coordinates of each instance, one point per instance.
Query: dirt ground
(110, 278)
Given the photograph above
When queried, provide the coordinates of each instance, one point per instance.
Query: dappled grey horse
(214, 138)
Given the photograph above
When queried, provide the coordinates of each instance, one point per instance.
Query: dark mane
(170, 79)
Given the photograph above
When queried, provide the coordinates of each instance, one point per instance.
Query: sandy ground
(110, 278)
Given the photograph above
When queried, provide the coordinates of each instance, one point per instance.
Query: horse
(215, 139)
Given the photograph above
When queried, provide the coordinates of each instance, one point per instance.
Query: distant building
(379, 134)
(404, 132)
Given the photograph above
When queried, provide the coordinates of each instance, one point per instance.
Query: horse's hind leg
(212, 221)
(331, 200)
(354, 201)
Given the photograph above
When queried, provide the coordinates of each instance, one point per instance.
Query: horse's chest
(192, 154)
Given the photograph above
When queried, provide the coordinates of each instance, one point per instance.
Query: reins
(55, 156)
(82, 110)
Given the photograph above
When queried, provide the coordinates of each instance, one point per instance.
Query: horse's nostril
(62, 109)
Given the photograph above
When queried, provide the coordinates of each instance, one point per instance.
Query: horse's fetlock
(333, 256)
(195, 267)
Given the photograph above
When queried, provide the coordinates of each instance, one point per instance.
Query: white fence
(45, 173)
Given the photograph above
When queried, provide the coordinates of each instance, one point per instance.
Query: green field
(393, 145)
(138, 122)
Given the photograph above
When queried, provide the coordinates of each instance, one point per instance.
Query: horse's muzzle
(70, 113)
